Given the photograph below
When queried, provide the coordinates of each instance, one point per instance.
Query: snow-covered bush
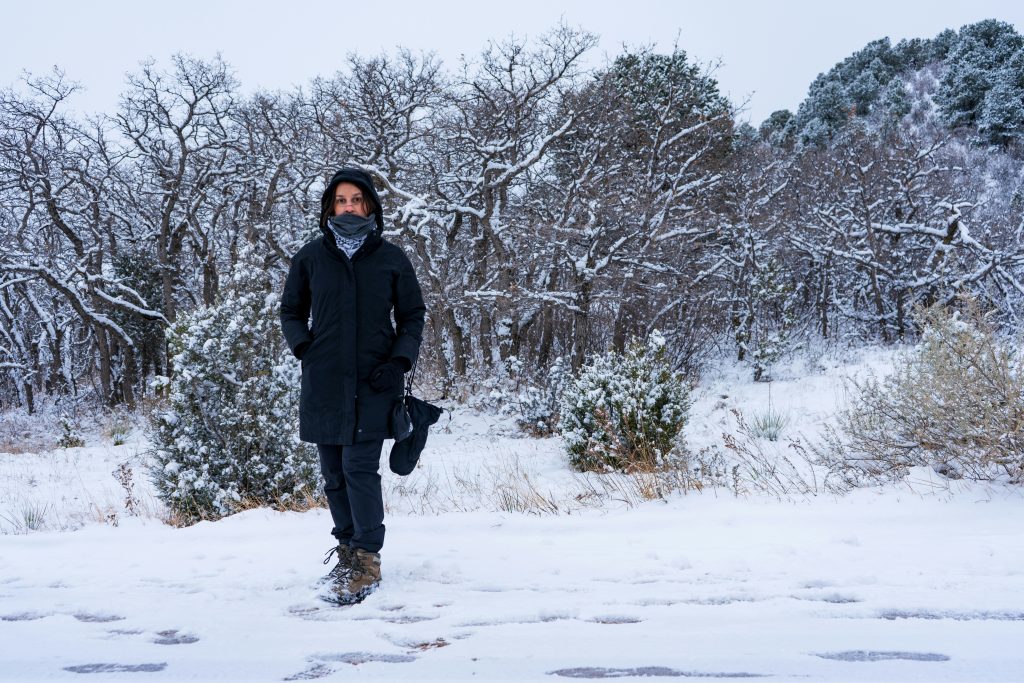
(228, 438)
(624, 411)
(71, 436)
(955, 403)
(538, 405)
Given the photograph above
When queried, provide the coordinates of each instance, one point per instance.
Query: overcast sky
(769, 51)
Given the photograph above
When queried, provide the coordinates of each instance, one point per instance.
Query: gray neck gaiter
(352, 226)
(350, 231)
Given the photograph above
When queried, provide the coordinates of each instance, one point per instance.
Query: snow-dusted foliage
(625, 411)
(979, 90)
(971, 69)
(227, 436)
(550, 211)
(539, 405)
(955, 403)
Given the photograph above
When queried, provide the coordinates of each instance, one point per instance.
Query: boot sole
(351, 598)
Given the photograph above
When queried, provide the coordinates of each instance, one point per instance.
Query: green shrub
(70, 436)
(624, 411)
(227, 439)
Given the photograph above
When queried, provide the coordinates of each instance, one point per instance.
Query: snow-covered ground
(501, 564)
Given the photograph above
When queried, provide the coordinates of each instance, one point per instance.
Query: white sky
(770, 51)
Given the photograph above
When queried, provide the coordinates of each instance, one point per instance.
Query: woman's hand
(387, 376)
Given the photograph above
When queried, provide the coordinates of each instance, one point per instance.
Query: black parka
(351, 332)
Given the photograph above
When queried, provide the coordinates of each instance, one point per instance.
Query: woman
(353, 363)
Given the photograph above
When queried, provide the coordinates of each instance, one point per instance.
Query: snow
(909, 582)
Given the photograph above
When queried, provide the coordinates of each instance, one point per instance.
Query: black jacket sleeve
(409, 314)
(295, 303)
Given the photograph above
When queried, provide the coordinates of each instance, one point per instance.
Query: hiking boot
(362, 579)
(365, 575)
(339, 574)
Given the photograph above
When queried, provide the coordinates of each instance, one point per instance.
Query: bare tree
(56, 174)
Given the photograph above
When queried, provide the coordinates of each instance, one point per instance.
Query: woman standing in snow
(353, 362)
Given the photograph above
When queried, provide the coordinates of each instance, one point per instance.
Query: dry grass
(24, 433)
(302, 501)
(746, 465)
(506, 484)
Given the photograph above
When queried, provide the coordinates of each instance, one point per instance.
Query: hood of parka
(360, 179)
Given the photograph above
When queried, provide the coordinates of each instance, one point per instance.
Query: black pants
(352, 486)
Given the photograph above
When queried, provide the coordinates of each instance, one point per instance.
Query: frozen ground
(922, 582)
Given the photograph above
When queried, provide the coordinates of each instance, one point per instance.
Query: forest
(551, 211)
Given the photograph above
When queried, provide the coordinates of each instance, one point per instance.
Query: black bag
(411, 418)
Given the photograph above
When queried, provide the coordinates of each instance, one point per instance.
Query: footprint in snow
(116, 668)
(318, 613)
(833, 598)
(397, 619)
(356, 658)
(723, 600)
(614, 619)
(645, 672)
(303, 610)
(125, 631)
(879, 656)
(656, 602)
(172, 637)
(312, 673)
(542, 619)
(430, 645)
(894, 614)
(97, 618)
(24, 616)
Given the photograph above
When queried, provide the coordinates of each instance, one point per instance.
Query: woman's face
(348, 198)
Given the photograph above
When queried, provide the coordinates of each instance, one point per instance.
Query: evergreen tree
(228, 436)
(970, 69)
(894, 101)
(779, 129)
(1002, 113)
(825, 110)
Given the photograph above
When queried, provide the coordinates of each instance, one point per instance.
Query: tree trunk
(104, 353)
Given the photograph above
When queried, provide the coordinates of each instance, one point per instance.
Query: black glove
(388, 376)
(301, 348)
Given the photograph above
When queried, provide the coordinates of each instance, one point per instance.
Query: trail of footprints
(166, 637)
(321, 665)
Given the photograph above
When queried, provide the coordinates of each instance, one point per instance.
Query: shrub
(955, 403)
(538, 406)
(227, 439)
(624, 411)
(70, 435)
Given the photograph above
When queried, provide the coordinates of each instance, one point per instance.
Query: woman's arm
(295, 303)
(409, 315)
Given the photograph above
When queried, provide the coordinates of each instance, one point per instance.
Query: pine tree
(970, 68)
(228, 436)
(1002, 113)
